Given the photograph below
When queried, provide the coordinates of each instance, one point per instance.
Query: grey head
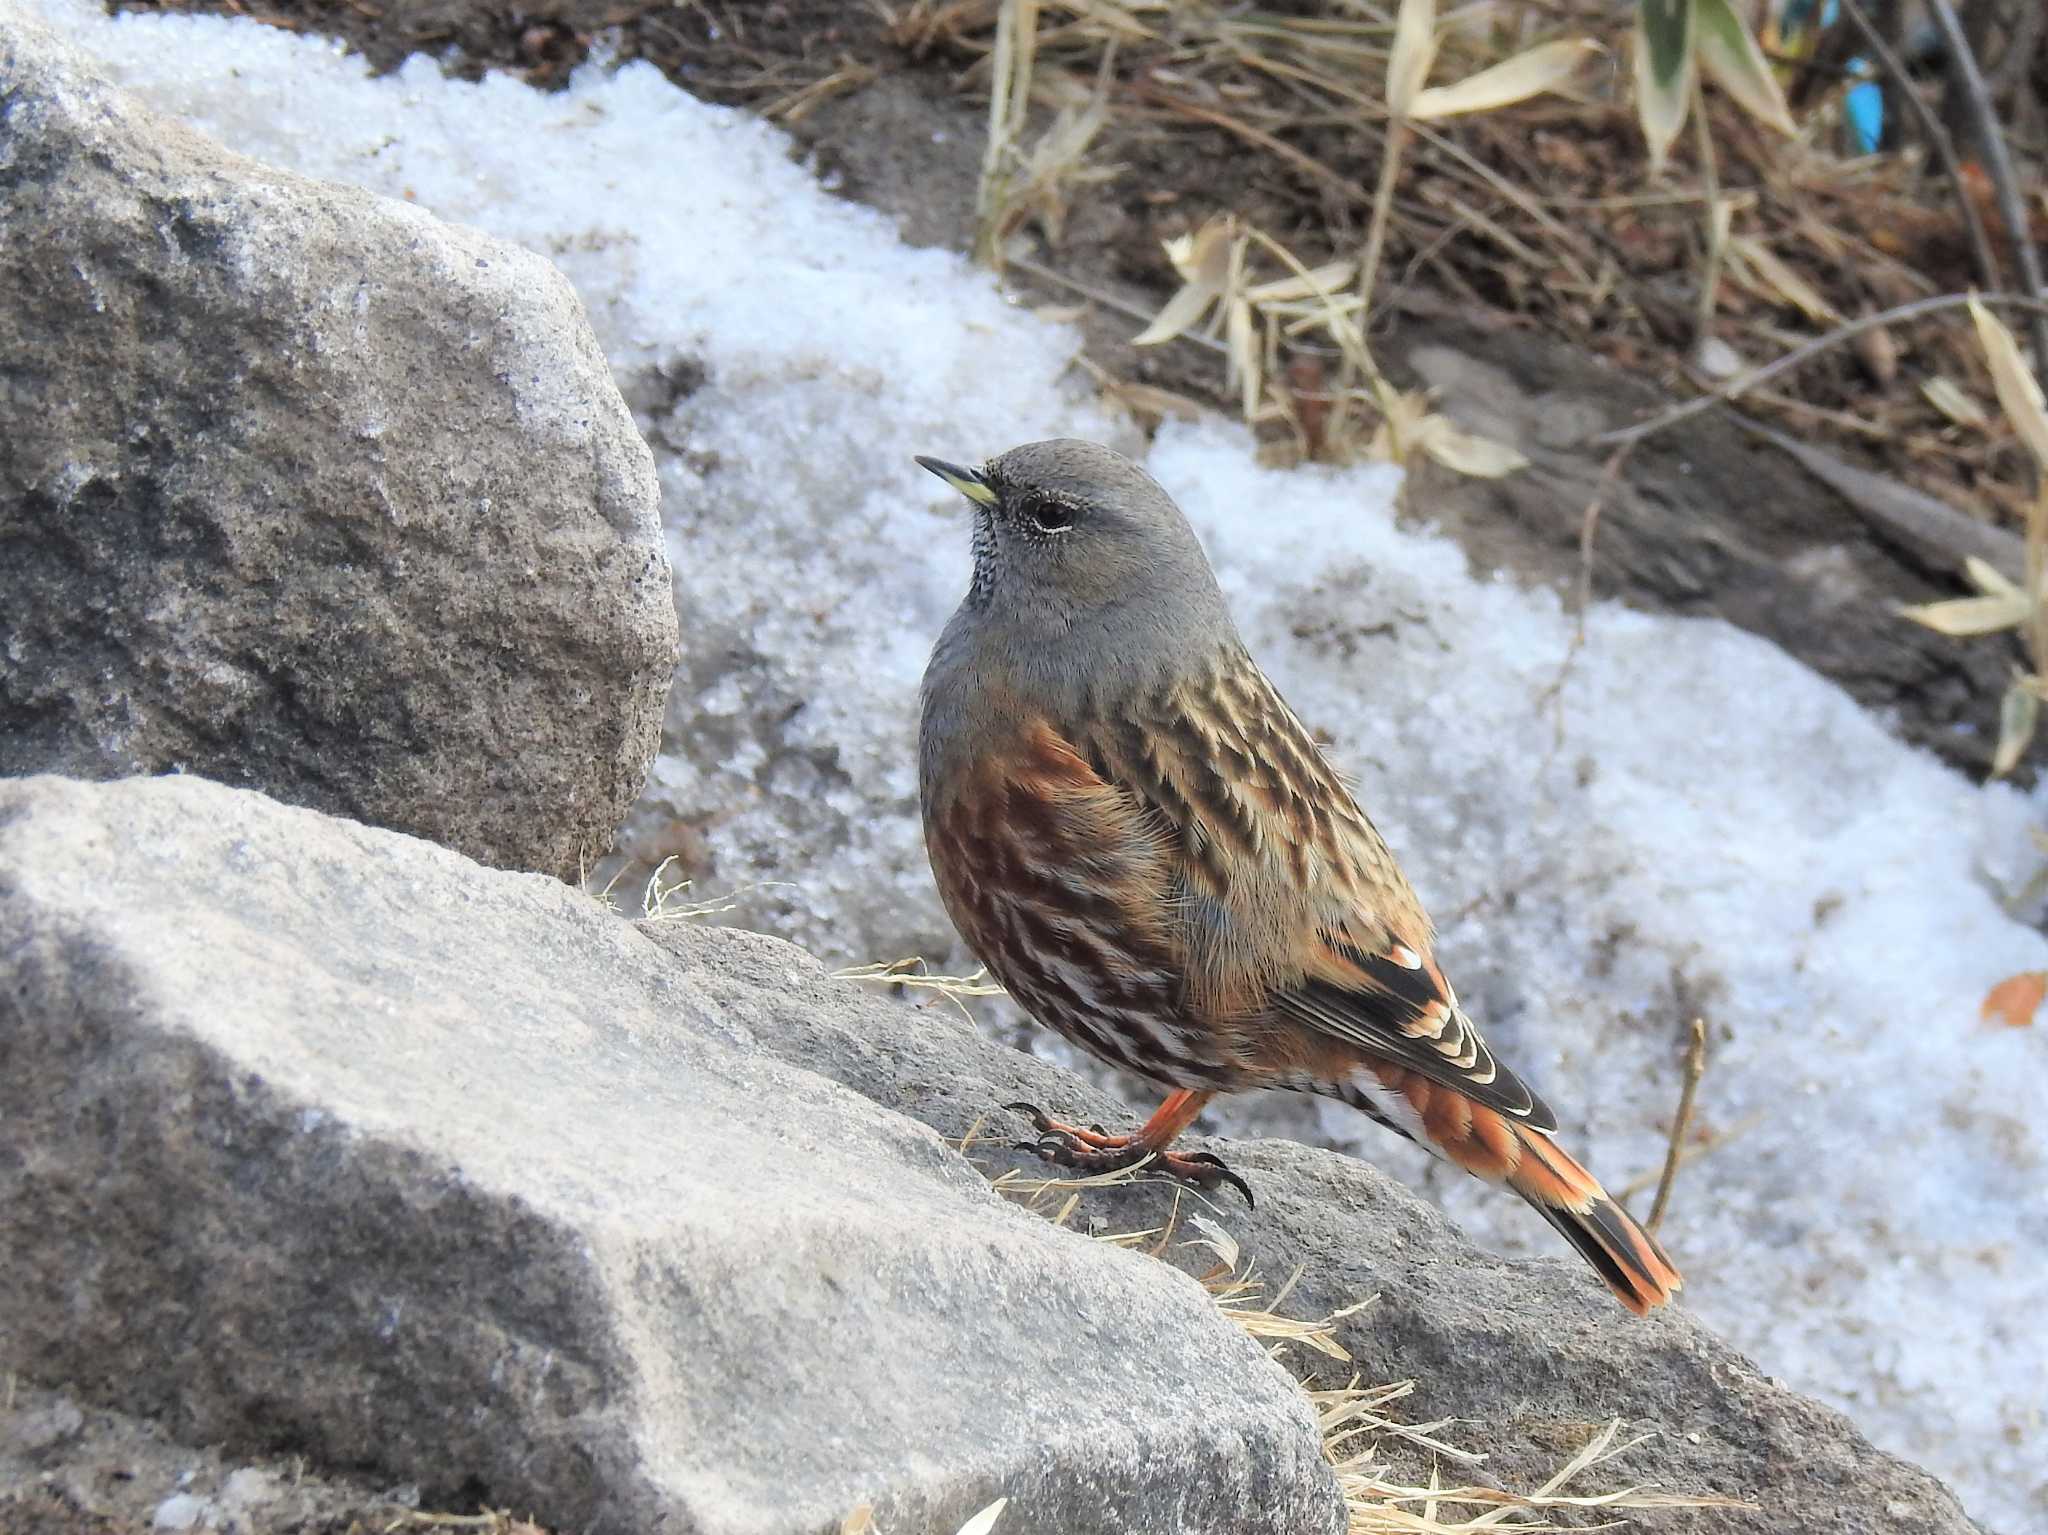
(1087, 578)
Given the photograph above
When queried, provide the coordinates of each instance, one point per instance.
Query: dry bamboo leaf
(985, 1521)
(2018, 712)
(1413, 52)
(1317, 283)
(1728, 52)
(1244, 355)
(1782, 281)
(1946, 396)
(2019, 394)
(1664, 73)
(1879, 353)
(1215, 1238)
(2015, 1000)
(1988, 578)
(1455, 448)
(1203, 261)
(1961, 617)
(1402, 413)
(1530, 73)
(860, 1522)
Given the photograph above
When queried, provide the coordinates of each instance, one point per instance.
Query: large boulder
(307, 490)
(1532, 1357)
(317, 1137)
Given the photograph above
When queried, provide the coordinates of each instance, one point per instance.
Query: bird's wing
(1394, 1004)
(1288, 895)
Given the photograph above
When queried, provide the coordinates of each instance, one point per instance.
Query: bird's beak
(969, 482)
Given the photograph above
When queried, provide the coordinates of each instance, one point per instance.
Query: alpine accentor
(1146, 847)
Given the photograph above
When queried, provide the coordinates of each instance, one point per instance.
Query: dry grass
(1357, 1421)
(1544, 212)
(912, 975)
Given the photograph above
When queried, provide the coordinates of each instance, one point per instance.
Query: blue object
(1863, 105)
(1863, 100)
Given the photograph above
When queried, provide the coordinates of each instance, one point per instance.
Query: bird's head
(1067, 531)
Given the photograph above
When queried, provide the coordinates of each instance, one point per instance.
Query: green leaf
(1730, 56)
(1664, 72)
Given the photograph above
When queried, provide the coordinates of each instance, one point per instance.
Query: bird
(1150, 852)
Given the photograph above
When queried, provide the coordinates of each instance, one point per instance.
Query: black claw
(1038, 1117)
(1224, 1175)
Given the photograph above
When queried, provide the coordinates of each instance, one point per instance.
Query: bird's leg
(1092, 1151)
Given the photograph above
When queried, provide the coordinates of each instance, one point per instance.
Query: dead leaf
(1964, 616)
(1216, 1239)
(1530, 73)
(985, 1521)
(2014, 1000)
(1203, 260)
(1413, 52)
(2019, 394)
(2018, 712)
(1947, 397)
(1456, 448)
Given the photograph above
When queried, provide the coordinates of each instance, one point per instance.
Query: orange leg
(1095, 1151)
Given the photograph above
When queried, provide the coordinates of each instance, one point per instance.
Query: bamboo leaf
(1987, 578)
(1244, 355)
(1413, 52)
(1530, 73)
(1728, 52)
(985, 1521)
(1203, 261)
(2019, 394)
(1964, 616)
(1455, 448)
(1946, 396)
(1664, 71)
(1780, 282)
(2018, 712)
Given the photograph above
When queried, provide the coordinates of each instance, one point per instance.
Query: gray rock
(1530, 1356)
(306, 490)
(320, 1136)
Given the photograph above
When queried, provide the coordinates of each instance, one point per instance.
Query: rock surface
(1532, 1357)
(320, 1138)
(309, 491)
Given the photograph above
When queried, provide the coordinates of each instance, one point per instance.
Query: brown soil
(1703, 519)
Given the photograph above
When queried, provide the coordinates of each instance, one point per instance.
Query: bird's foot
(1094, 1150)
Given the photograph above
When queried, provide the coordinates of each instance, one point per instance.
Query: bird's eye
(1050, 516)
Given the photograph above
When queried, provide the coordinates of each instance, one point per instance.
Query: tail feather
(1498, 1149)
(1635, 1267)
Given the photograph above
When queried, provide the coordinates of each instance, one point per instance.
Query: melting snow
(1693, 824)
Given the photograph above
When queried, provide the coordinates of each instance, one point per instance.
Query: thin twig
(1695, 1066)
(1962, 63)
(1589, 527)
(1382, 206)
(1710, 272)
(1736, 387)
(1937, 139)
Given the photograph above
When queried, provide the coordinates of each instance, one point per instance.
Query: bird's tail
(1635, 1267)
